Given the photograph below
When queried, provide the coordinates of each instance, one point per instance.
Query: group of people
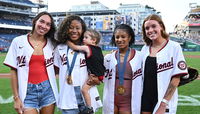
(135, 82)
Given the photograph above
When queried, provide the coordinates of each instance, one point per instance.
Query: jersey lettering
(108, 74)
(21, 60)
(49, 61)
(165, 66)
(82, 62)
(63, 59)
(137, 73)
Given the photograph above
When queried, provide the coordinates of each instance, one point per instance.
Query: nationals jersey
(170, 62)
(110, 63)
(67, 98)
(18, 57)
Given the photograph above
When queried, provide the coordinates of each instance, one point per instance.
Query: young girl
(123, 79)
(94, 61)
(32, 72)
(163, 64)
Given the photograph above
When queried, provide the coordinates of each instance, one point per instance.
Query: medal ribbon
(122, 70)
(72, 64)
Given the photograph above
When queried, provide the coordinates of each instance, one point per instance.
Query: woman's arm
(14, 85)
(172, 87)
(168, 95)
(83, 48)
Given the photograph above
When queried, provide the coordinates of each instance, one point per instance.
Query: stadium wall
(190, 46)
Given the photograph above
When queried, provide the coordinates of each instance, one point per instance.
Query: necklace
(36, 44)
(161, 45)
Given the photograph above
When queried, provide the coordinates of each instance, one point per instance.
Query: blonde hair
(94, 34)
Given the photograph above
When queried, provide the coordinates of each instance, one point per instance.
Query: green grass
(187, 90)
(193, 62)
(3, 68)
(191, 89)
(191, 53)
(5, 92)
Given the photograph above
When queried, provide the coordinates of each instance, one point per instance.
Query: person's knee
(48, 109)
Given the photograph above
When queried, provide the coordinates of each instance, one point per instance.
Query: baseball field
(189, 95)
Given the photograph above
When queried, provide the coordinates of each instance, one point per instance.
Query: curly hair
(52, 30)
(159, 20)
(62, 35)
(128, 30)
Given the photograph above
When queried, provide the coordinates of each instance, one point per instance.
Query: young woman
(163, 64)
(72, 69)
(94, 61)
(123, 79)
(32, 72)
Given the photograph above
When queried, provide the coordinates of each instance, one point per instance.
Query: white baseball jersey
(18, 57)
(110, 63)
(67, 98)
(170, 62)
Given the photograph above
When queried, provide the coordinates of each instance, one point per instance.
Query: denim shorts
(81, 104)
(39, 95)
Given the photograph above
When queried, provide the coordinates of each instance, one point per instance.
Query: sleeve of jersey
(56, 58)
(11, 57)
(180, 66)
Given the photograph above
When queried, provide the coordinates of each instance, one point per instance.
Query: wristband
(165, 101)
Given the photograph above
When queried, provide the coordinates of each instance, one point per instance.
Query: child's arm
(79, 48)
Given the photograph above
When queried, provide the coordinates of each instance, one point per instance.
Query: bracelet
(165, 101)
(15, 97)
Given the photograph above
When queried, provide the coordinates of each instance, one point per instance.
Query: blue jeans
(39, 95)
(81, 104)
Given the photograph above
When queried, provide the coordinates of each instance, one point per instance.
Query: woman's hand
(18, 105)
(93, 80)
(161, 109)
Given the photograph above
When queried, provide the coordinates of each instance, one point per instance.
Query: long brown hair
(52, 30)
(157, 18)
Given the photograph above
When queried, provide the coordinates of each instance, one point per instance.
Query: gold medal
(69, 80)
(120, 90)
